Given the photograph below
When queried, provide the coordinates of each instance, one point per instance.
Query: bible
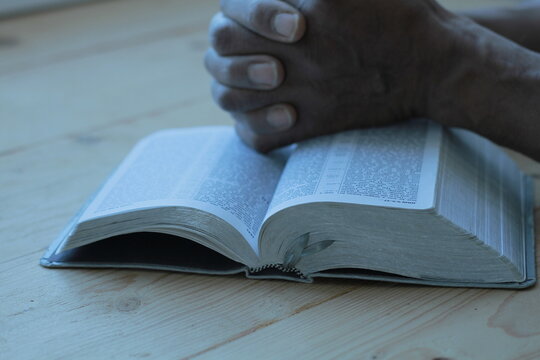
(411, 203)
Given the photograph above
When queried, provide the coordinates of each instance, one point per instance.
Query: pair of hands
(291, 70)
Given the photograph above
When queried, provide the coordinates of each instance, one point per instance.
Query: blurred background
(13, 7)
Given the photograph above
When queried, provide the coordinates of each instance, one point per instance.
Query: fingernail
(280, 118)
(263, 74)
(286, 25)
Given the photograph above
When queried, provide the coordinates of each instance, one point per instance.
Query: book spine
(272, 268)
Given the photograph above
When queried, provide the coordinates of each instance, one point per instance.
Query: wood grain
(78, 87)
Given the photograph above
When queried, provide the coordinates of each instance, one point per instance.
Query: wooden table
(78, 87)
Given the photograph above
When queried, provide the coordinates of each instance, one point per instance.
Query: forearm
(492, 87)
(520, 24)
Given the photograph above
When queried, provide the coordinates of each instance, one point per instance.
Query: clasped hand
(291, 70)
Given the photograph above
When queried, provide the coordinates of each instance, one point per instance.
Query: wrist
(492, 18)
(518, 23)
(489, 85)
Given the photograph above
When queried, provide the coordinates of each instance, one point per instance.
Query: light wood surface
(78, 87)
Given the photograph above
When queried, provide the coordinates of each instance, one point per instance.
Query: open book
(412, 203)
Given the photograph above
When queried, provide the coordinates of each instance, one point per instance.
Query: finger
(258, 72)
(240, 100)
(273, 19)
(270, 120)
(264, 142)
(229, 38)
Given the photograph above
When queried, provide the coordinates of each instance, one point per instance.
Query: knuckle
(208, 62)
(260, 144)
(256, 142)
(225, 71)
(221, 36)
(259, 14)
(218, 67)
(252, 139)
(225, 98)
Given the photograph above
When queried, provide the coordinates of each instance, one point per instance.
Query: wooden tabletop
(78, 87)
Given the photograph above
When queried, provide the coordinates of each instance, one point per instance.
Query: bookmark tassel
(301, 248)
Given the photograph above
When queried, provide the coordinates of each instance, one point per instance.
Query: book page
(392, 167)
(208, 169)
(483, 192)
